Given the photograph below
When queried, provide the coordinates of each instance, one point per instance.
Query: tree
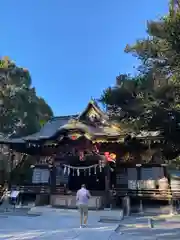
(21, 110)
(128, 101)
(45, 111)
(154, 103)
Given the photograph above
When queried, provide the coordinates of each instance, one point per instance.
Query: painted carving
(74, 136)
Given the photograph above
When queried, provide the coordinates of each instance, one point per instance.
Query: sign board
(122, 177)
(127, 177)
(40, 176)
(132, 178)
(146, 184)
(149, 177)
(132, 184)
(175, 184)
(132, 173)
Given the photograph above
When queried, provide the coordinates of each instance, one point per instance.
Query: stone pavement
(53, 224)
(57, 224)
(136, 228)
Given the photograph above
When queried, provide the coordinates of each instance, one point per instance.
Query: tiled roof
(57, 125)
(50, 128)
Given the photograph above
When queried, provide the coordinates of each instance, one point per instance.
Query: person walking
(82, 198)
(5, 200)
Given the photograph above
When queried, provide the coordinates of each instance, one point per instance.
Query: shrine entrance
(93, 182)
(92, 176)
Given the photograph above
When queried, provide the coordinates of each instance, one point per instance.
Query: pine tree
(154, 103)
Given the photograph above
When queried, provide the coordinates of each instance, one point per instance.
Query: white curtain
(132, 178)
(150, 176)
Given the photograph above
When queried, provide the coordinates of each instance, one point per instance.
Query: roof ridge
(95, 104)
(63, 117)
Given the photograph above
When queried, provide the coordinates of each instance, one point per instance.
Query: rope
(81, 168)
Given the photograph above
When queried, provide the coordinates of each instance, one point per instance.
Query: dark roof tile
(50, 128)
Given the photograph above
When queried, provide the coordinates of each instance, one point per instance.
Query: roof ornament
(92, 100)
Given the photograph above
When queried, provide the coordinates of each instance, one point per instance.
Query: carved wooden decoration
(147, 155)
(93, 117)
(74, 136)
(157, 158)
(128, 157)
(92, 114)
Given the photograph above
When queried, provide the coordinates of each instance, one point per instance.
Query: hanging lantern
(113, 156)
(110, 157)
(106, 154)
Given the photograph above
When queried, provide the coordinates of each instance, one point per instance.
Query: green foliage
(130, 102)
(23, 172)
(20, 108)
(154, 102)
(45, 111)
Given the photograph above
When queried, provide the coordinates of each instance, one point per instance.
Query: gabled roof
(92, 105)
(50, 128)
(92, 121)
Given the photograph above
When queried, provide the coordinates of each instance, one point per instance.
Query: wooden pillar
(11, 158)
(127, 205)
(53, 179)
(138, 167)
(107, 185)
(170, 192)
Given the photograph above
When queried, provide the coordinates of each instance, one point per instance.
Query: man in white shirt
(82, 198)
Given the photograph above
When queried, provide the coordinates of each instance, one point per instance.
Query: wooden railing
(155, 194)
(69, 201)
(35, 189)
(58, 190)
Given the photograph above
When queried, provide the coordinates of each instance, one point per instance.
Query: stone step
(111, 216)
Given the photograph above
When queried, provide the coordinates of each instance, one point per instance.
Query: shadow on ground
(139, 230)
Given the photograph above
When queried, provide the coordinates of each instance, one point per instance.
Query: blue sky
(74, 48)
